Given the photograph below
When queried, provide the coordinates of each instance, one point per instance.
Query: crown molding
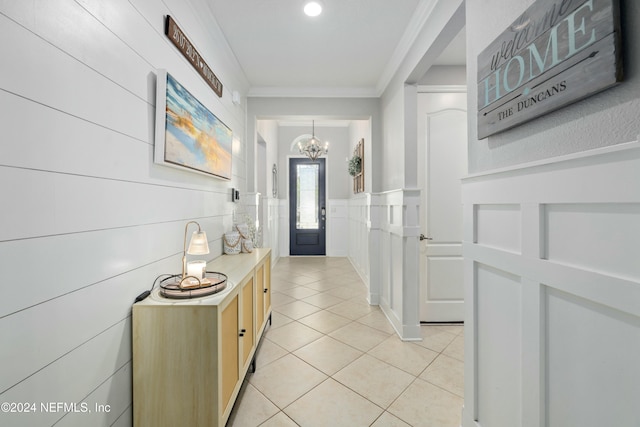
(418, 21)
(321, 123)
(312, 92)
(442, 88)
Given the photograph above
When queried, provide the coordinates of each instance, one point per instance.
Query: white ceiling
(351, 49)
(455, 53)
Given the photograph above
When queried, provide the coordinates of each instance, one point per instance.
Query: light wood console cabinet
(191, 356)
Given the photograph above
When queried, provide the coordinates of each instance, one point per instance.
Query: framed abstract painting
(188, 135)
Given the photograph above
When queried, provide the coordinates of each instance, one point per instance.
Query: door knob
(423, 237)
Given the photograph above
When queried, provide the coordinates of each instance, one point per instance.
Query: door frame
(286, 238)
(422, 171)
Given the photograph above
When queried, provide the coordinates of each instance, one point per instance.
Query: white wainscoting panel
(337, 227)
(283, 229)
(552, 291)
(574, 231)
(592, 353)
(271, 226)
(359, 238)
(394, 306)
(385, 226)
(499, 226)
(499, 297)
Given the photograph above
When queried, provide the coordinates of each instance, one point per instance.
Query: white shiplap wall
(87, 221)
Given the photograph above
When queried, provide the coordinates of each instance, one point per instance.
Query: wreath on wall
(355, 165)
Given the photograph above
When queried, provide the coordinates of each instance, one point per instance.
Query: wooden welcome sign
(554, 54)
(180, 40)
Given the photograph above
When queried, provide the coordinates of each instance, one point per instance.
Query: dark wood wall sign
(554, 54)
(183, 44)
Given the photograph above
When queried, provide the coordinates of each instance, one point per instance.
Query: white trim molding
(552, 291)
(442, 89)
(312, 92)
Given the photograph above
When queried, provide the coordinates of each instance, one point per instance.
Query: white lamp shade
(198, 244)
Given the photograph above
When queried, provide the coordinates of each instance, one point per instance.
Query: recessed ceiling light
(313, 8)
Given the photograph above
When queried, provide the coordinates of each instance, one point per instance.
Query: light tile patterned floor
(331, 360)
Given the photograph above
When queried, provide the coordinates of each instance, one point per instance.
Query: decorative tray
(192, 287)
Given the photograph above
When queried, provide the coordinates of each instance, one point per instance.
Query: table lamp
(198, 245)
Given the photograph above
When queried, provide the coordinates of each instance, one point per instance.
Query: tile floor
(330, 359)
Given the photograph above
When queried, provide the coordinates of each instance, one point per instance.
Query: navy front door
(307, 212)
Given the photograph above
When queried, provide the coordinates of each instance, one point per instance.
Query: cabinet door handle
(242, 331)
(266, 290)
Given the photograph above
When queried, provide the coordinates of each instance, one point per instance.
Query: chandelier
(312, 147)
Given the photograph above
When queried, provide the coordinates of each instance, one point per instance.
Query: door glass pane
(307, 191)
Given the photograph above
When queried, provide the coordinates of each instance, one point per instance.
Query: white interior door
(442, 130)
